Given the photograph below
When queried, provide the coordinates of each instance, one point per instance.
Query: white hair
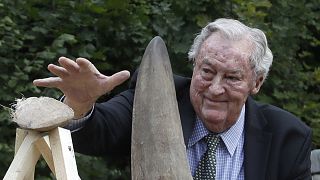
(261, 56)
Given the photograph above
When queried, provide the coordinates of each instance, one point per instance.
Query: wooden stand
(56, 148)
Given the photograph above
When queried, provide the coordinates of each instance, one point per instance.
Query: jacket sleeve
(108, 130)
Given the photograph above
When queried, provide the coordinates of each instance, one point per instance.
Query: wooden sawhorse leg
(56, 148)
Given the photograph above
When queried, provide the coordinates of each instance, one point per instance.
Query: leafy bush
(114, 33)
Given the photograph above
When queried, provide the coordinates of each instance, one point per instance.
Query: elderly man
(220, 121)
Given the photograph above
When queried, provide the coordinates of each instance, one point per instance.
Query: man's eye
(206, 74)
(233, 78)
(206, 70)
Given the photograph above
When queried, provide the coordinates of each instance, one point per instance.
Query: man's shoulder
(181, 82)
(279, 119)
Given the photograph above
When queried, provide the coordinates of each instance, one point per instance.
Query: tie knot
(212, 141)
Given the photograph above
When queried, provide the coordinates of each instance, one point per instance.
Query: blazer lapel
(257, 143)
(187, 114)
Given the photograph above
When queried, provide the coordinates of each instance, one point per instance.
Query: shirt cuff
(77, 124)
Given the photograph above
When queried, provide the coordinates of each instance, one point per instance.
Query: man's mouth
(212, 101)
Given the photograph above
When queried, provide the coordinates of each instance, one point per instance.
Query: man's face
(221, 82)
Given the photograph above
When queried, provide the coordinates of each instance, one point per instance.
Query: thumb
(117, 79)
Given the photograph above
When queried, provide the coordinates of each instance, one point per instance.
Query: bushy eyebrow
(236, 71)
(207, 62)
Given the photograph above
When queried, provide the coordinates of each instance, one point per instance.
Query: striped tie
(207, 165)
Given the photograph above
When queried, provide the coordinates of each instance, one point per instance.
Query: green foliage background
(114, 33)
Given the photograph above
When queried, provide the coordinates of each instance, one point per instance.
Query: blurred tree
(114, 33)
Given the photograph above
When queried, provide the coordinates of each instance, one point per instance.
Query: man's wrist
(77, 124)
(81, 110)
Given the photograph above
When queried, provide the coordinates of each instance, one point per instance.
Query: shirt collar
(231, 137)
(199, 131)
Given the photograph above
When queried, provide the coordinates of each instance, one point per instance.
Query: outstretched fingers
(58, 71)
(51, 82)
(78, 74)
(70, 65)
(117, 79)
(86, 65)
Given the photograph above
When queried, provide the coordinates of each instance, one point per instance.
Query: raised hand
(81, 83)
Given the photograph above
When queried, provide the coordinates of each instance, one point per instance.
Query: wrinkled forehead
(222, 49)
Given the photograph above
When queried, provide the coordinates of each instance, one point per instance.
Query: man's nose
(217, 87)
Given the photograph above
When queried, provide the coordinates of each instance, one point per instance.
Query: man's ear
(257, 84)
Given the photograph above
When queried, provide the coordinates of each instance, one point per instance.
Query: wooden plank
(20, 135)
(63, 154)
(158, 149)
(26, 157)
(43, 145)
